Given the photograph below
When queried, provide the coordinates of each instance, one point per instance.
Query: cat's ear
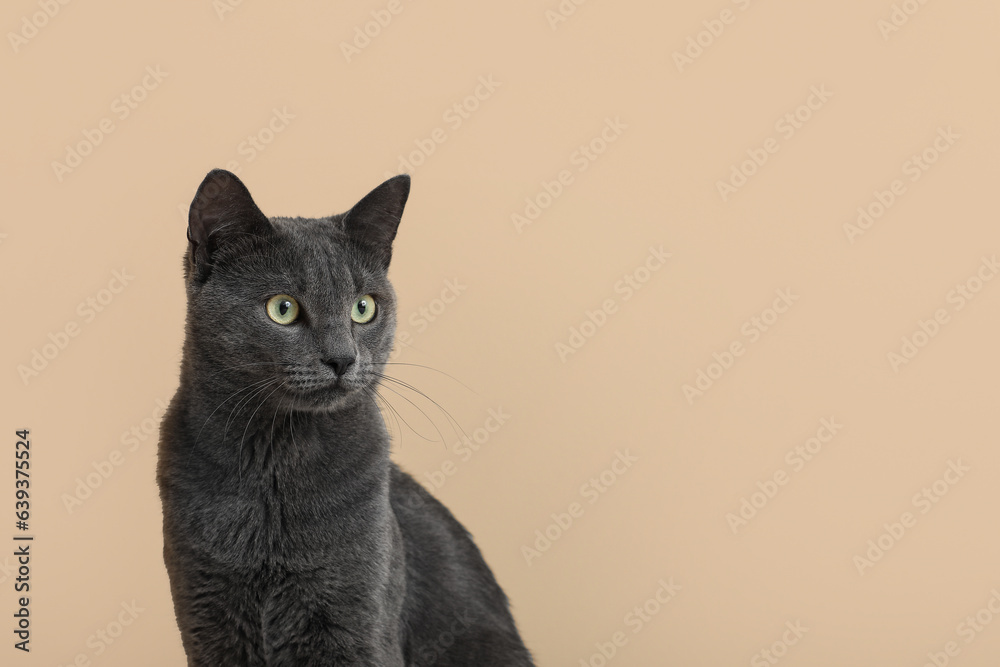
(222, 210)
(373, 220)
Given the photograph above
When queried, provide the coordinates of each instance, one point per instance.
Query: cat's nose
(339, 364)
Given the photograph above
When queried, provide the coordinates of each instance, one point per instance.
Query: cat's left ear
(374, 220)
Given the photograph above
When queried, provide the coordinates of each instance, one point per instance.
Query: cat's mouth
(323, 393)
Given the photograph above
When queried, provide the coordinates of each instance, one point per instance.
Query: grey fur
(290, 537)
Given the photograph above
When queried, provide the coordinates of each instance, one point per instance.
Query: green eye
(363, 310)
(283, 309)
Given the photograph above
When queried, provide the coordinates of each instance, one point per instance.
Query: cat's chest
(276, 521)
(281, 501)
(256, 526)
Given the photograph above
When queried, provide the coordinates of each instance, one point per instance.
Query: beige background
(656, 184)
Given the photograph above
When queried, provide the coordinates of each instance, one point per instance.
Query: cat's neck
(278, 483)
(248, 431)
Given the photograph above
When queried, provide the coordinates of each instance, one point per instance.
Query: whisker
(251, 385)
(270, 444)
(240, 366)
(440, 435)
(243, 402)
(372, 398)
(448, 415)
(397, 416)
(250, 421)
(430, 368)
(291, 428)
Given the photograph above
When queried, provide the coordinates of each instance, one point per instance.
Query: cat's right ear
(221, 210)
(373, 221)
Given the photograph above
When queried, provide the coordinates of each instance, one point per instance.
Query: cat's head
(299, 307)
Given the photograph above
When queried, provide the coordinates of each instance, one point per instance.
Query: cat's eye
(363, 310)
(283, 309)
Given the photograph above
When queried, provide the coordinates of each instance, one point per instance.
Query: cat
(290, 537)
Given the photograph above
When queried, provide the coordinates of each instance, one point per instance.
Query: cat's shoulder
(413, 504)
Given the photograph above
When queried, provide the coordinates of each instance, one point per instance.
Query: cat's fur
(290, 537)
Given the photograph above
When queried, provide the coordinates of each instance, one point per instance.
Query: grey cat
(290, 537)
